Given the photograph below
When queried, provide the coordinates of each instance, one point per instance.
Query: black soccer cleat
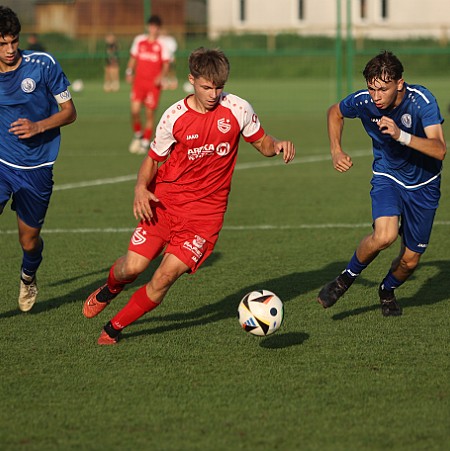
(332, 291)
(389, 304)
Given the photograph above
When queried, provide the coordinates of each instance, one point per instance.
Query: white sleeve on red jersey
(134, 50)
(161, 146)
(168, 47)
(248, 121)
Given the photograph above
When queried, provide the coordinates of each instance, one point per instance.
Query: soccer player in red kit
(147, 66)
(181, 204)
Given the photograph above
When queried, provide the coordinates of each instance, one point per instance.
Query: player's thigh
(169, 270)
(31, 201)
(418, 216)
(386, 229)
(386, 198)
(193, 241)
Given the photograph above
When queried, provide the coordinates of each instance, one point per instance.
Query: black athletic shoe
(389, 304)
(332, 291)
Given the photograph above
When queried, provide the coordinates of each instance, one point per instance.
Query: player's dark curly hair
(9, 22)
(385, 66)
(211, 64)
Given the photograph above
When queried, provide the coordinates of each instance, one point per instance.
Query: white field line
(253, 165)
(230, 228)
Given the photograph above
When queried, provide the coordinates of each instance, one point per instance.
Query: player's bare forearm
(270, 147)
(142, 195)
(335, 122)
(433, 145)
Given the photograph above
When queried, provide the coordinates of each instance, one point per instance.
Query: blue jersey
(29, 92)
(418, 109)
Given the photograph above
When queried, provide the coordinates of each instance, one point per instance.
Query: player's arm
(270, 146)
(164, 73)
(129, 71)
(142, 195)
(24, 128)
(335, 121)
(433, 145)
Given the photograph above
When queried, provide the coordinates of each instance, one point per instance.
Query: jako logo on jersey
(28, 85)
(407, 120)
(190, 137)
(224, 125)
(138, 236)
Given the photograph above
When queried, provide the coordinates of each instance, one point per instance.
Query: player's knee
(162, 279)
(409, 264)
(385, 239)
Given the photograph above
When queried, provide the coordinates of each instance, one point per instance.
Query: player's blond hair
(211, 64)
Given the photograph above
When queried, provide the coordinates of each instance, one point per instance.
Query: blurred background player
(147, 67)
(405, 125)
(34, 103)
(181, 205)
(112, 70)
(34, 43)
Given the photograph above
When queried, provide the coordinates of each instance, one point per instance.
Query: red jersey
(200, 152)
(150, 56)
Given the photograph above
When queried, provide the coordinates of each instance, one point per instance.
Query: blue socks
(31, 261)
(354, 267)
(390, 283)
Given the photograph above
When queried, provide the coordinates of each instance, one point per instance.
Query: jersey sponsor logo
(222, 149)
(224, 125)
(28, 85)
(406, 120)
(190, 137)
(195, 247)
(138, 236)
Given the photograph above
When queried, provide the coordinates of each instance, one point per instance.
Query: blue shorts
(416, 209)
(30, 190)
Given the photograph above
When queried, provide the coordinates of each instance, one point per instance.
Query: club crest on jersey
(138, 237)
(224, 125)
(28, 85)
(406, 120)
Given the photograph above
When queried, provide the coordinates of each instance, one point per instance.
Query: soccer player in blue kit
(408, 142)
(34, 103)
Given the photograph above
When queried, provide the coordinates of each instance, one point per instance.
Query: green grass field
(186, 377)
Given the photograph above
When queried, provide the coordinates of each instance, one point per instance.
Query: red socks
(138, 305)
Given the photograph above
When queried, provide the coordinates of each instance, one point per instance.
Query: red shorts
(192, 241)
(146, 94)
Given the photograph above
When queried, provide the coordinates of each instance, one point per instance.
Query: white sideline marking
(253, 165)
(230, 227)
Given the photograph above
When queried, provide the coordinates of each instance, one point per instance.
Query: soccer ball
(261, 312)
(77, 85)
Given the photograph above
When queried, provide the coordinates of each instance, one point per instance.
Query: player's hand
(388, 127)
(341, 161)
(287, 148)
(141, 206)
(24, 128)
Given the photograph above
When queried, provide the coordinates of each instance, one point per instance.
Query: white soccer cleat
(28, 293)
(135, 146)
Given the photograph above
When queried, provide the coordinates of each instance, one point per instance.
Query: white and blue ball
(261, 312)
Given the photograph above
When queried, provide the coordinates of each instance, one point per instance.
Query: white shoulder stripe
(362, 93)
(421, 94)
(28, 57)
